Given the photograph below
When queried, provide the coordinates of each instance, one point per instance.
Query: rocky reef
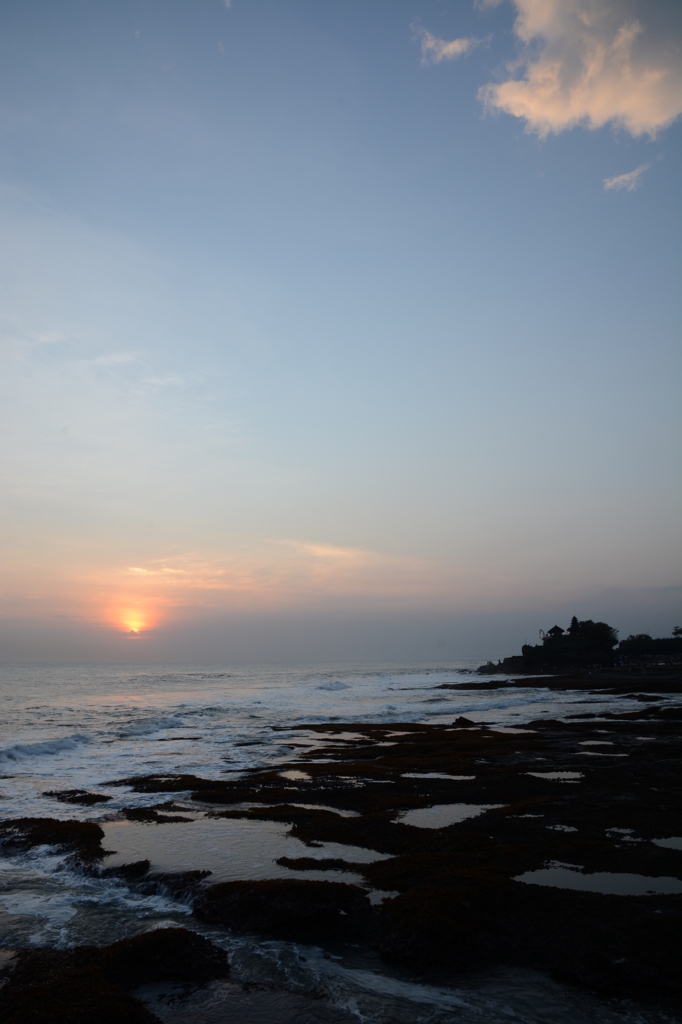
(89, 984)
(471, 822)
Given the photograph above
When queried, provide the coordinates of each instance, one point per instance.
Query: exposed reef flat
(520, 848)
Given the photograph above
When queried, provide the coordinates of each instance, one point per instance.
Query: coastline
(455, 900)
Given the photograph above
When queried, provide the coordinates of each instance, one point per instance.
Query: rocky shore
(465, 815)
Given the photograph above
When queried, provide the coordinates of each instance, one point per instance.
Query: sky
(337, 329)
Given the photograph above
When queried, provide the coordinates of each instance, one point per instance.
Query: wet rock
(167, 954)
(74, 997)
(321, 864)
(179, 884)
(223, 1002)
(129, 872)
(82, 838)
(87, 985)
(150, 814)
(303, 911)
(438, 927)
(77, 796)
(164, 783)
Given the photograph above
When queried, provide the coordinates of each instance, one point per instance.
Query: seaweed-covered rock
(296, 909)
(167, 954)
(83, 838)
(87, 985)
(151, 815)
(181, 885)
(77, 796)
(78, 996)
(128, 872)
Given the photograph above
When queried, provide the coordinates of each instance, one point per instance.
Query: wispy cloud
(110, 359)
(590, 63)
(275, 572)
(434, 50)
(328, 552)
(628, 182)
(163, 382)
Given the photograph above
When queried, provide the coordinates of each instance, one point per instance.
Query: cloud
(273, 573)
(435, 50)
(591, 63)
(110, 359)
(629, 182)
(163, 382)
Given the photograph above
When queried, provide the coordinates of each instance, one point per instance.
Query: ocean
(85, 728)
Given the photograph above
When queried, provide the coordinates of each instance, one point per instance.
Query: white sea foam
(44, 748)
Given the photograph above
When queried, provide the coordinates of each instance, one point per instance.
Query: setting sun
(133, 622)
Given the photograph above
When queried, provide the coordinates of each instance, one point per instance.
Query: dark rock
(179, 884)
(150, 814)
(129, 872)
(167, 954)
(164, 783)
(299, 910)
(80, 837)
(77, 796)
(74, 997)
(438, 927)
(87, 985)
(321, 864)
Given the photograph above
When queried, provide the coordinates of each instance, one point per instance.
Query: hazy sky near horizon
(314, 307)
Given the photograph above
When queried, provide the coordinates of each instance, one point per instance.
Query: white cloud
(591, 62)
(163, 382)
(628, 182)
(435, 50)
(110, 359)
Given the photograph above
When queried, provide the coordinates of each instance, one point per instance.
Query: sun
(133, 622)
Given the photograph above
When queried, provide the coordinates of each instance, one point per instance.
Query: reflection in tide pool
(558, 776)
(437, 775)
(609, 883)
(672, 843)
(442, 815)
(230, 848)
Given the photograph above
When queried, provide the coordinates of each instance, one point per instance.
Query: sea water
(87, 727)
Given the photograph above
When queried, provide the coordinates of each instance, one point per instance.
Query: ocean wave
(146, 728)
(26, 751)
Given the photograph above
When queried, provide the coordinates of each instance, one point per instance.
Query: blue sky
(309, 311)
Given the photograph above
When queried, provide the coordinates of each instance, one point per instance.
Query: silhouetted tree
(584, 643)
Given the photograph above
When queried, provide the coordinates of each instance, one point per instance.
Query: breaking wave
(46, 748)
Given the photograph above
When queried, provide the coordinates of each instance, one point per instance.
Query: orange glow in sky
(133, 620)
